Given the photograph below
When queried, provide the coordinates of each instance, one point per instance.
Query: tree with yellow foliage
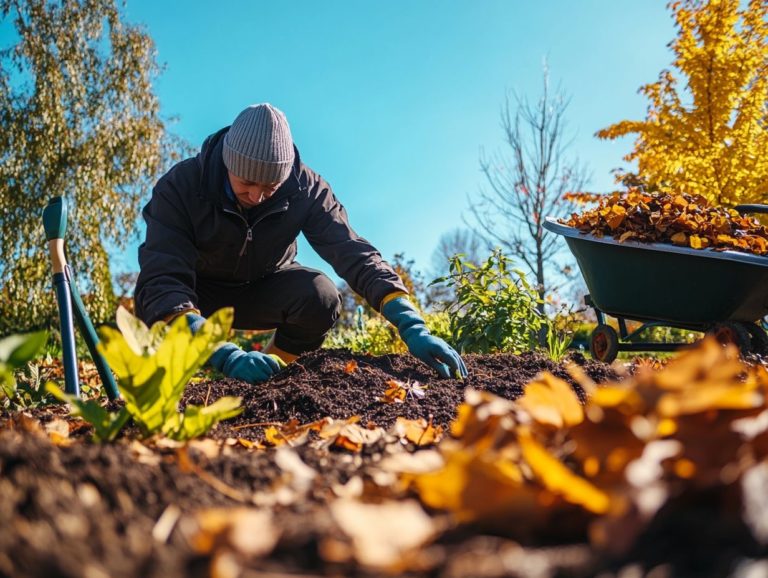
(707, 134)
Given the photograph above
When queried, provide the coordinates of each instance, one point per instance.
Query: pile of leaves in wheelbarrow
(681, 219)
(352, 465)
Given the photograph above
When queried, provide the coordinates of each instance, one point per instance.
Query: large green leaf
(153, 366)
(141, 339)
(106, 425)
(197, 420)
(16, 350)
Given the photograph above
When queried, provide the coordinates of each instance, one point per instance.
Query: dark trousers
(301, 303)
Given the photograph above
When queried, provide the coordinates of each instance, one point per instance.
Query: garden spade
(71, 305)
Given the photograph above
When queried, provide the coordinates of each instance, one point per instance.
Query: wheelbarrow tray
(662, 282)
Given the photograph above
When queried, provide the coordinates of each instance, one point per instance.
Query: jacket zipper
(249, 232)
(248, 239)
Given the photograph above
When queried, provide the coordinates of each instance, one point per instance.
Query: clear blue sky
(392, 101)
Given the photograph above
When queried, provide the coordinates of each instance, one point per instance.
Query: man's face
(250, 194)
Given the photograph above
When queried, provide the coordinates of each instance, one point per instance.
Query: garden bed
(225, 506)
(323, 384)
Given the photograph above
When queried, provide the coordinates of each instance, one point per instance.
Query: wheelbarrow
(724, 293)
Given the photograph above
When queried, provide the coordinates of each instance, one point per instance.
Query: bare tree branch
(528, 183)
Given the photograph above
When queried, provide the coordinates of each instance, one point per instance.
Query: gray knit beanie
(258, 146)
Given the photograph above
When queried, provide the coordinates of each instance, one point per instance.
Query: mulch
(317, 386)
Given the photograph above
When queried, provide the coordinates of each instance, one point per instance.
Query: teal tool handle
(68, 356)
(92, 340)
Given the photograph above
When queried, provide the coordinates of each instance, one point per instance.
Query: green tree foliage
(78, 117)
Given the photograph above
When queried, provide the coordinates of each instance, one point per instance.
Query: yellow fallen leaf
(557, 478)
(679, 238)
(418, 431)
(552, 401)
(475, 485)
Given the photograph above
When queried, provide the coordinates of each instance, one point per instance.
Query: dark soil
(316, 386)
(84, 509)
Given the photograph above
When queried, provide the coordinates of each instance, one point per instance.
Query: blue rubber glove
(252, 366)
(233, 362)
(430, 349)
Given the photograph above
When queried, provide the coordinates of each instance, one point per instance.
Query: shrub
(376, 336)
(372, 335)
(495, 309)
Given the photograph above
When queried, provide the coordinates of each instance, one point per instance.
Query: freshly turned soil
(316, 386)
(83, 509)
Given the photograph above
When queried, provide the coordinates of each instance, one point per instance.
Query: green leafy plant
(376, 336)
(153, 366)
(495, 308)
(558, 339)
(371, 335)
(15, 352)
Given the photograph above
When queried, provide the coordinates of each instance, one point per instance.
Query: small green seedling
(153, 366)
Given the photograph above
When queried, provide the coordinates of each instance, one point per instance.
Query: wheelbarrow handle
(745, 209)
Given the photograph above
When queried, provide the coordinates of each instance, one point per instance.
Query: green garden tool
(71, 305)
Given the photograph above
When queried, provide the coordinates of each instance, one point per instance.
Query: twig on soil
(297, 364)
(207, 395)
(258, 424)
(187, 465)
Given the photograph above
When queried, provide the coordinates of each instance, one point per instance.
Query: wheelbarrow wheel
(759, 338)
(604, 343)
(733, 332)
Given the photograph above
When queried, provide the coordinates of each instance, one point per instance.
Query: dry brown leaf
(23, 422)
(209, 447)
(143, 454)
(552, 401)
(353, 437)
(58, 432)
(384, 535)
(301, 475)
(292, 433)
(418, 431)
(395, 392)
(350, 367)
(480, 414)
(557, 478)
(247, 531)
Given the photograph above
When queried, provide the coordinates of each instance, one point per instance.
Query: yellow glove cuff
(170, 317)
(391, 297)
